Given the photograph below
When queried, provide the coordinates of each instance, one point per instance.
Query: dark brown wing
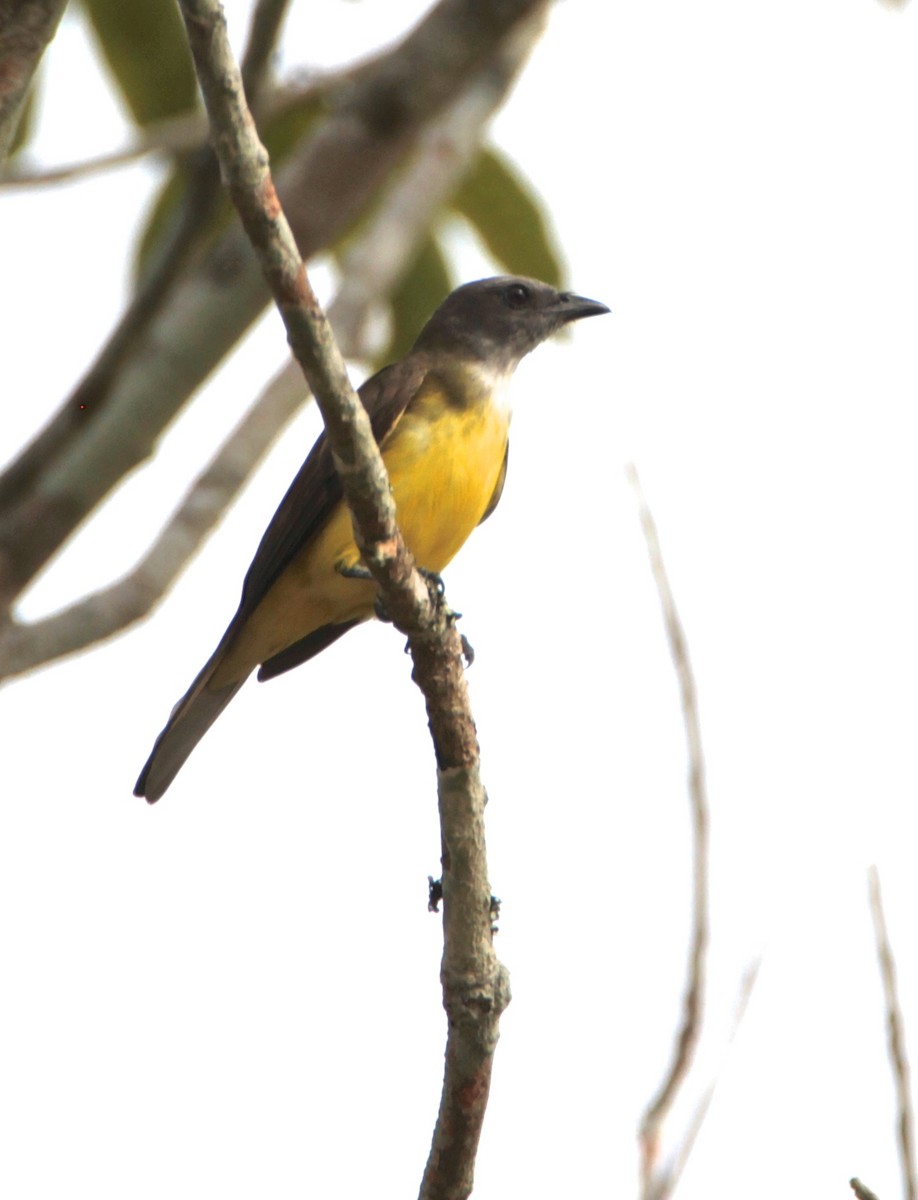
(498, 487)
(303, 650)
(316, 489)
(309, 501)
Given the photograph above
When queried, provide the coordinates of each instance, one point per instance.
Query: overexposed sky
(237, 991)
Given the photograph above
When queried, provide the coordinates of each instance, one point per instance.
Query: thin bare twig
(666, 1184)
(475, 987)
(655, 1184)
(172, 137)
(895, 1031)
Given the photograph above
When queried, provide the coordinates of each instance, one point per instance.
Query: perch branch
(474, 984)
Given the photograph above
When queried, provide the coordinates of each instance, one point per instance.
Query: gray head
(500, 320)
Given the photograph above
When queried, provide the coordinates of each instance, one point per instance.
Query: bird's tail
(190, 720)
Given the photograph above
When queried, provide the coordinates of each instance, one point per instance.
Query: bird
(441, 417)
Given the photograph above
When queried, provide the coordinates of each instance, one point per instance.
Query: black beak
(575, 308)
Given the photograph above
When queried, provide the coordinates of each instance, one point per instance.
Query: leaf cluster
(144, 50)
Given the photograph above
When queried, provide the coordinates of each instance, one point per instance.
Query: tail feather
(190, 720)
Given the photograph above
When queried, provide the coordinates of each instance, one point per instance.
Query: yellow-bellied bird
(441, 419)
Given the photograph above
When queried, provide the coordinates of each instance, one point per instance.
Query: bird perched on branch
(441, 418)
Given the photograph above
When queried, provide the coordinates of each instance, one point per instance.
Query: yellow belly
(444, 464)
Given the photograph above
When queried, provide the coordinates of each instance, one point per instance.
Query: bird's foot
(356, 571)
(436, 589)
(435, 584)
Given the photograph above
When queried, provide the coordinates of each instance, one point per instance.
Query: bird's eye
(516, 295)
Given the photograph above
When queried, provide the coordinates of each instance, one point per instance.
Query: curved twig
(653, 1183)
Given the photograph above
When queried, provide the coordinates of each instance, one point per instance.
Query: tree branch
(372, 126)
(172, 137)
(264, 30)
(26, 29)
(103, 613)
(475, 990)
(861, 1190)
(667, 1181)
(895, 1029)
(655, 1184)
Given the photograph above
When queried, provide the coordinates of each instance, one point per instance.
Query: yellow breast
(444, 459)
(444, 463)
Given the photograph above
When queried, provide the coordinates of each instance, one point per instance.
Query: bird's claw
(437, 590)
(434, 582)
(468, 650)
(355, 571)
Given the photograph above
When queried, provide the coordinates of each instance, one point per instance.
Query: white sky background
(236, 992)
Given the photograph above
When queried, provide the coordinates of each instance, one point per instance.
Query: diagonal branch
(895, 1029)
(474, 983)
(655, 1184)
(861, 1190)
(103, 613)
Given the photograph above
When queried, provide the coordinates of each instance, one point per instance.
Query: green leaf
(143, 42)
(281, 133)
(26, 126)
(423, 286)
(503, 208)
(163, 209)
(288, 126)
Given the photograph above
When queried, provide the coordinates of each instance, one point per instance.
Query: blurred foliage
(163, 209)
(144, 45)
(421, 288)
(143, 42)
(26, 126)
(505, 211)
(282, 132)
